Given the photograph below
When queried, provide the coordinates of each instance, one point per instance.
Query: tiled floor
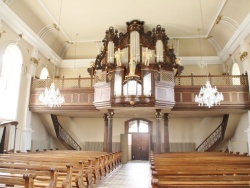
(134, 174)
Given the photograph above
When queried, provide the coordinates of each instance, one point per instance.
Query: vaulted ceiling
(83, 24)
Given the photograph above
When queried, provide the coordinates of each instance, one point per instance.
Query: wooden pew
(208, 169)
(46, 178)
(26, 180)
(65, 171)
(84, 173)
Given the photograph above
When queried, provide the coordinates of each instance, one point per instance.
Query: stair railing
(215, 137)
(63, 135)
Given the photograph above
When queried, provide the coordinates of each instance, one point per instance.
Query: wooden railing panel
(79, 93)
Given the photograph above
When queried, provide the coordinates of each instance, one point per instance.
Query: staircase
(63, 136)
(215, 138)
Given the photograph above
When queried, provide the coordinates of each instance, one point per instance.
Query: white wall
(41, 139)
(238, 143)
(181, 130)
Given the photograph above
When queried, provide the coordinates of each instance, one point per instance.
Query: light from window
(236, 71)
(10, 73)
(44, 73)
(143, 126)
(133, 127)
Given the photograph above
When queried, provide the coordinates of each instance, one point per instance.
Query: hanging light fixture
(201, 63)
(208, 96)
(51, 96)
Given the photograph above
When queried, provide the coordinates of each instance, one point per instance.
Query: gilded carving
(243, 56)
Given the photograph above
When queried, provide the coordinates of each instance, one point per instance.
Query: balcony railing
(218, 80)
(79, 92)
(63, 83)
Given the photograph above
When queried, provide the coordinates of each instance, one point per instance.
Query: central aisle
(134, 174)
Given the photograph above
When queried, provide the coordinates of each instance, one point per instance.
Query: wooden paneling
(235, 98)
(75, 99)
(179, 97)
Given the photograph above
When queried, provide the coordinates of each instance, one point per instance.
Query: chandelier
(209, 96)
(51, 97)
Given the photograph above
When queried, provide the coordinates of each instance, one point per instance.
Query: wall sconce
(243, 56)
(18, 38)
(34, 58)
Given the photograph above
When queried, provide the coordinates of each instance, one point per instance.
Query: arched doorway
(141, 131)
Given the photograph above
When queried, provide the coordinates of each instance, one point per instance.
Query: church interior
(113, 87)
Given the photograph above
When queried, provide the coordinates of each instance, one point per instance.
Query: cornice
(76, 63)
(45, 8)
(184, 60)
(241, 33)
(15, 23)
(195, 60)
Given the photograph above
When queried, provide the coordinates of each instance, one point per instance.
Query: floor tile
(134, 174)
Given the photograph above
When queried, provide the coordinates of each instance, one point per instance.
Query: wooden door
(140, 146)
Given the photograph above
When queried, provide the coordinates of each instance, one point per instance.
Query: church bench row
(208, 169)
(44, 175)
(59, 160)
(101, 165)
(26, 180)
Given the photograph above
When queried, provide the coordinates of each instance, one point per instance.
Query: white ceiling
(91, 18)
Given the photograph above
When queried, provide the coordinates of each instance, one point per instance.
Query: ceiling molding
(229, 22)
(14, 22)
(195, 60)
(215, 44)
(215, 17)
(54, 20)
(69, 63)
(241, 33)
(46, 30)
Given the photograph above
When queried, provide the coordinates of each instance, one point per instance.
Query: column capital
(166, 116)
(158, 114)
(105, 117)
(110, 113)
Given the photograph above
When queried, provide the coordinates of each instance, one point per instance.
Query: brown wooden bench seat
(208, 169)
(201, 184)
(65, 172)
(46, 178)
(26, 180)
(86, 167)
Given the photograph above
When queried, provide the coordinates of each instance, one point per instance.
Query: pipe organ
(138, 68)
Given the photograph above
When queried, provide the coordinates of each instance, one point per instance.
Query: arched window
(44, 73)
(236, 71)
(10, 75)
(138, 126)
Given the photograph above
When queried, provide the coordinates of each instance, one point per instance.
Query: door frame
(150, 130)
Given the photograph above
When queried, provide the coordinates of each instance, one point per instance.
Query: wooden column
(158, 131)
(105, 141)
(166, 133)
(110, 124)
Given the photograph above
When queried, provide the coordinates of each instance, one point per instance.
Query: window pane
(10, 81)
(143, 126)
(132, 127)
(44, 73)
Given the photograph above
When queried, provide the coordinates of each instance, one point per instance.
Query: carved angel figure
(147, 54)
(118, 55)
